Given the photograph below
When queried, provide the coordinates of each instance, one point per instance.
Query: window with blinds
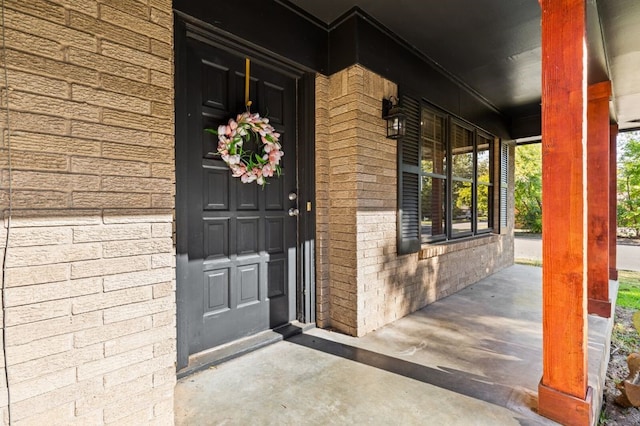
(445, 180)
(433, 176)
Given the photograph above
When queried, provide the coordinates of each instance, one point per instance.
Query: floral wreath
(249, 166)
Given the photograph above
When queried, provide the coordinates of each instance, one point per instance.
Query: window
(434, 175)
(504, 184)
(446, 179)
(462, 178)
(484, 182)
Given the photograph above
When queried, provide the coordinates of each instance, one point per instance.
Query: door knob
(293, 196)
(294, 212)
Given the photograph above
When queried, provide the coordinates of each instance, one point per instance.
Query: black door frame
(186, 27)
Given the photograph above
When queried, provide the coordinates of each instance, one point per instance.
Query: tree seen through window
(455, 201)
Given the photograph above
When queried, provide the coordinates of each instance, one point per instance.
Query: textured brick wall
(90, 280)
(358, 187)
(366, 284)
(322, 201)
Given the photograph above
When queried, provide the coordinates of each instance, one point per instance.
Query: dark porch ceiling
(493, 46)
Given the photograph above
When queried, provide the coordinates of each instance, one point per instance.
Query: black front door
(241, 243)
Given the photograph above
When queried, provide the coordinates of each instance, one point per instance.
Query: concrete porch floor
(473, 358)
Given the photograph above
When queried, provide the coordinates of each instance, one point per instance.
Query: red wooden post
(613, 202)
(598, 191)
(563, 392)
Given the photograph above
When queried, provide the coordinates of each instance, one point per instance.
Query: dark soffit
(493, 46)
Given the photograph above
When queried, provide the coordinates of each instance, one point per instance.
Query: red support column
(597, 191)
(563, 393)
(613, 202)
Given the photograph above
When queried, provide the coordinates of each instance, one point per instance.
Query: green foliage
(629, 291)
(528, 187)
(629, 183)
(603, 417)
(529, 262)
(625, 338)
(636, 320)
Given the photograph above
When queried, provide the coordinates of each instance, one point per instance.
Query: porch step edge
(237, 348)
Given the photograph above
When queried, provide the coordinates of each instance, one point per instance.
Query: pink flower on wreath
(275, 156)
(249, 166)
(248, 177)
(270, 146)
(267, 170)
(238, 170)
(233, 159)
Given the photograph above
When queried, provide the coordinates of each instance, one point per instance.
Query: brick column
(563, 393)
(362, 203)
(597, 191)
(322, 202)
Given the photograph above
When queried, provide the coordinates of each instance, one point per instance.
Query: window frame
(449, 121)
(443, 176)
(454, 121)
(491, 226)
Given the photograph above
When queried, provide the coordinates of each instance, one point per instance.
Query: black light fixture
(396, 120)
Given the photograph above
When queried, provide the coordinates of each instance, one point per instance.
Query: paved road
(531, 248)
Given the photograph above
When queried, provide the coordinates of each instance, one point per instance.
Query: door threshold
(228, 351)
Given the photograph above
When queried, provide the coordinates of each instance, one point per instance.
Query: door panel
(241, 274)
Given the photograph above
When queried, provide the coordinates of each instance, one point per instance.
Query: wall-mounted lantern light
(396, 120)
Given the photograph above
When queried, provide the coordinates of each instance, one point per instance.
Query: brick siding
(362, 283)
(322, 201)
(90, 278)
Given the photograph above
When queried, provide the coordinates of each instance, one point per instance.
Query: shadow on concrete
(470, 358)
(450, 379)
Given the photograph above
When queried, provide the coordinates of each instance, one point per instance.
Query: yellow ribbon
(247, 79)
